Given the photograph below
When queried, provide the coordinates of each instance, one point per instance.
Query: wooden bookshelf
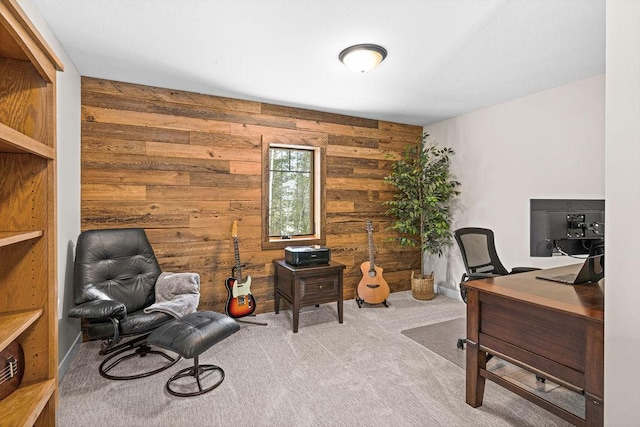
(28, 290)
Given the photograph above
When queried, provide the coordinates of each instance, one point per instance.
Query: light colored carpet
(360, 373)
(441, 338)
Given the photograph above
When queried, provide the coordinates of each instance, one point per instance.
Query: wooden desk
(551, 329)
(311, 285)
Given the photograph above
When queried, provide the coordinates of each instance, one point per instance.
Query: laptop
(583, 276)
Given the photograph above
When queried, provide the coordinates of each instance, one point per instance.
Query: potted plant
(421, 206)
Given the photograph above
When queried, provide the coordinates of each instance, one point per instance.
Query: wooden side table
(308, 285)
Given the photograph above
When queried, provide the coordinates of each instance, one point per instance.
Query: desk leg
(594, 375)
(340, 311)
(476, 359)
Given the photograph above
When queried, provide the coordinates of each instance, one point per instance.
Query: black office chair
(480, 258)
(115, 274)
(596, 260)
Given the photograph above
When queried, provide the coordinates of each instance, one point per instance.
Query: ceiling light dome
(363, 57)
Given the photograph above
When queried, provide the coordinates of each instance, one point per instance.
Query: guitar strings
(5, 374)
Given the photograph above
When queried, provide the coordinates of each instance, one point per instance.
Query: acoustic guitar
(11, 369)
(240, 302)
(372, 289)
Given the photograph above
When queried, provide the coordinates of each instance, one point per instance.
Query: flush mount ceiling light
(363, 57)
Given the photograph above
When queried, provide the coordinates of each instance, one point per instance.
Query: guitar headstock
(369, 226)
(234, 229)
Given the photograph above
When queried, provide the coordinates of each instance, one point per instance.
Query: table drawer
(314, 288)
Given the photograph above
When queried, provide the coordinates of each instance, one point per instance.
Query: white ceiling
(446, 57)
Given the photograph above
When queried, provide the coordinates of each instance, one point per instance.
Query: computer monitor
(565, 226)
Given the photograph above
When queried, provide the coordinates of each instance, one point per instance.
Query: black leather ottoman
(190, 336)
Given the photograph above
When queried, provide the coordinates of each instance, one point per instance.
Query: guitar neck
(238, 266)
(371, 260)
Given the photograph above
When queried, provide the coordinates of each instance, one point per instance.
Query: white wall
(68, 171)
(622, 296)
(546, 145)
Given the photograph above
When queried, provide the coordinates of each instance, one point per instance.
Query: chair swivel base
(139, 351)
(195, 371)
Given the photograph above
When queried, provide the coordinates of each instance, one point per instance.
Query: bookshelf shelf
(12, 141)
(13, 324)
(22, 406)
(12, 237)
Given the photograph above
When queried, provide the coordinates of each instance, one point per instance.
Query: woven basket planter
(422, 289)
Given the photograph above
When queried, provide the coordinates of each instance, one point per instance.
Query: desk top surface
(582, 300)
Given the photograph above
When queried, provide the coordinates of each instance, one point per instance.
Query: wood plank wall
(184, 165)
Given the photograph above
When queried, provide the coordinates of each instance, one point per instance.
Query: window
(292, 195)
(291, 192)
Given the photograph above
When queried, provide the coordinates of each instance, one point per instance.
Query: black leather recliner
(114, 276)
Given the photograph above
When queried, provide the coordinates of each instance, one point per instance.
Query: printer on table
(307, 255)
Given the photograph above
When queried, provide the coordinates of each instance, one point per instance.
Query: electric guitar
(240, 302)
(11, 369)
(372, 289)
